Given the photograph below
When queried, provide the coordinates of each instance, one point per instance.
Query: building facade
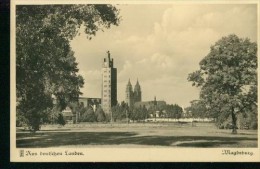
(151, 104)
(90, 102)
(73, 117)
(109, 84)
(133, 96)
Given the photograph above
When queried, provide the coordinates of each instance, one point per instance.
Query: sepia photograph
(134, 81)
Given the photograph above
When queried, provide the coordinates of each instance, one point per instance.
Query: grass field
(136, 135)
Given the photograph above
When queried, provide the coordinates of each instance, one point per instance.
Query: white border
(122, 154)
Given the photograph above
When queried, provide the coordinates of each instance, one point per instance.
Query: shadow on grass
(52, 139)
(207, 144)
(26, 130)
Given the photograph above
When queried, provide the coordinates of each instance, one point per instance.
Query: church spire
(129, 86)
(137, 87)
(129, 83)
(137, 92)
(129, 94)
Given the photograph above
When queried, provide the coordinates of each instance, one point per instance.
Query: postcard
(134, 81)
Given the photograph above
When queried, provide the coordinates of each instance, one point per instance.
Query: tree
(61, 120)
(75, 107)
(177, 111)
(144, 113)
(228, 78)
(80, 110)
(173, 111)
(138, 113)
(134, 112)
(100, 115)
(117, 112)
(197, 109)
(152, 111)
(45, 64)
(89, 115)
(120, 111)
(126, 110)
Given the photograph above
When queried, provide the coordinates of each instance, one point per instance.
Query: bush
(230, 126)
(100, 115)
(221, 126)
(88, 116)
(61, 120)
(248, 121)
(21, 121)
(253, 125)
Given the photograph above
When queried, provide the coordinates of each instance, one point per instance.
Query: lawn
(202, 135)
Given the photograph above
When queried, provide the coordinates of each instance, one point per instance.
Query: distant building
(158, 107)
(109, 84)
(68, 115)
(149, 104)
(133, 96)
(87, 102)
(73, 117)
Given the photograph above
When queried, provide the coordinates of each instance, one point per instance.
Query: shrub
(61, 120)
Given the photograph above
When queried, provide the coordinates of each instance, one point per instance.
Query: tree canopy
(174, 111)
(89, 115)
(100, 115)
(228, 78)
(45, 64)
(197, 109)
(61, 120)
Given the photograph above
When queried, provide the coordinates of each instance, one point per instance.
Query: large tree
(197, 109)
(228, 78)
(100, 114)
(45, 64)
(89, 115)
(120, 111)
(117, 112)
(173, 111)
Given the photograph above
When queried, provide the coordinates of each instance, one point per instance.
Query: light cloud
(161, 48)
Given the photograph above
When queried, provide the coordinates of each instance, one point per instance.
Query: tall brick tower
(109, 84)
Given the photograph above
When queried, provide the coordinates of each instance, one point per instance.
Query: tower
(133, 96)
(155, 102)
(109, 84)
(137, 92)
(129, 94)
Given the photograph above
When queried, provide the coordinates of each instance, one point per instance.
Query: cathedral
(133, 96)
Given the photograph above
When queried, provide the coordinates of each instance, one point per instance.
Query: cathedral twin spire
(133, 96)
(137, 87)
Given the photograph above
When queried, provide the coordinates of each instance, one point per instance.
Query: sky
(160, 45)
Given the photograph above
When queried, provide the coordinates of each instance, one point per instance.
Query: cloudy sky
(160, 45)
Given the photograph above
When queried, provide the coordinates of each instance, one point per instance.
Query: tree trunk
(234, 123)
